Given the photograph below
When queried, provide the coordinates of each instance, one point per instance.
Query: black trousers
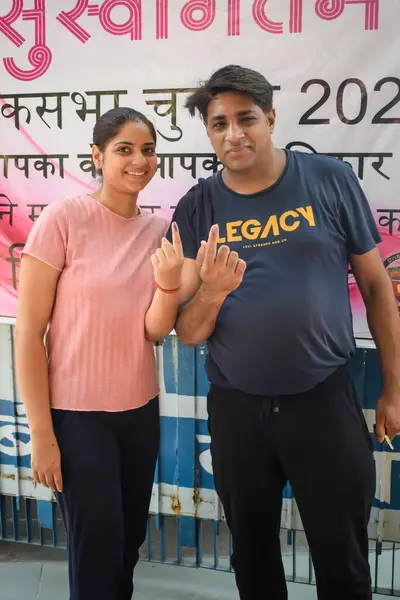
(108, 463)
(318, 441)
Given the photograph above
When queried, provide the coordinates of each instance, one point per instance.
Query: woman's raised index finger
(176, 239)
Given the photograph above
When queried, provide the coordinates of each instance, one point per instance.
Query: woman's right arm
(37, 289)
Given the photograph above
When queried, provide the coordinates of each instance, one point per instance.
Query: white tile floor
(48, 581)
(26, 576)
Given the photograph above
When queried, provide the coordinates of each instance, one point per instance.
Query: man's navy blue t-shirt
(288, 326)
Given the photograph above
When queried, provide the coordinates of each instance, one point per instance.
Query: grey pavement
(34, 573)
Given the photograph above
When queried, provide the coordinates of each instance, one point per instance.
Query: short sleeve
(160, 225)
(357, 220)
(185, 217)
(47, 240)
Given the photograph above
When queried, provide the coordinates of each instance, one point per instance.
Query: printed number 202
(379, 118)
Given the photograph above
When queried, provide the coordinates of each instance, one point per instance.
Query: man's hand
(388, 416)
(220, 271)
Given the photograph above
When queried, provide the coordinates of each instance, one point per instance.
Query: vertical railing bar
(28, 515)
(148, 540)
(230, 552)
(163, 540)
(294, 566)
(55, 524)
(15, 517)
(199, 545)
(178, 540)
(393, 567)
(378, 550)
(216, 543)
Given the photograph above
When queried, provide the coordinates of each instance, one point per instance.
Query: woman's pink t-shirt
(98, 356)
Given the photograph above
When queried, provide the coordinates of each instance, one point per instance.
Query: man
(268, 292)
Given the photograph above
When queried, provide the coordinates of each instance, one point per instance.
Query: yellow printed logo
(239, 231)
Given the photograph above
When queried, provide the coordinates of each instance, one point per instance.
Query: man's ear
(271, 118)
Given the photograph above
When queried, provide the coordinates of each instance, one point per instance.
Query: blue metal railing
(20, 522)
(187, 524)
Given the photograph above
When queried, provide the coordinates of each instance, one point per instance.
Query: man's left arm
(384, 323)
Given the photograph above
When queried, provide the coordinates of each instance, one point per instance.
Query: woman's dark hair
(232, 78)
(113, 120)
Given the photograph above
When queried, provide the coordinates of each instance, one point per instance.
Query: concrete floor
(34, 573)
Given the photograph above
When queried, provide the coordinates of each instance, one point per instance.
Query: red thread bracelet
(168, 291)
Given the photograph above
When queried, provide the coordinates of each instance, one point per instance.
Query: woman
(90, 391)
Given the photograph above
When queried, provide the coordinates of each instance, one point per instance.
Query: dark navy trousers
(108, 463)
(319, 442)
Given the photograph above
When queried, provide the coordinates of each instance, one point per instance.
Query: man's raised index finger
(212, 243)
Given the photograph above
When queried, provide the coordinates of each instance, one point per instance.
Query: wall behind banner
(334, 65)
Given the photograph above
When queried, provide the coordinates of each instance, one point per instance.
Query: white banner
(334, 65)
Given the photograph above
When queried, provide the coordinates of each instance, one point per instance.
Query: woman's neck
(124, 205)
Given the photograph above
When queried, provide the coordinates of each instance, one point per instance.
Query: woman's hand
(168, 262)
(46, 462)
